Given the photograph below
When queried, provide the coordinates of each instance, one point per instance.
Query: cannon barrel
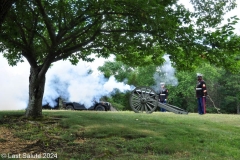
(172, 108)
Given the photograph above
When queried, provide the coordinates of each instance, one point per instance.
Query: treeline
(223, 86)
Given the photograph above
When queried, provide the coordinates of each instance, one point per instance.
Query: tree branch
(73, 24)
(47, 22)
(68, 51)
(20, 27)
(66, 55)
(44, 68)
(25, 51)
(75, 48)
(126, 30)
(74, 36)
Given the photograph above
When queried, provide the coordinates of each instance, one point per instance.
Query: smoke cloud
(14, 85)
(165, 74)
(73, 83)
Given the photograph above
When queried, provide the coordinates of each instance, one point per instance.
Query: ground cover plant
(121, 135)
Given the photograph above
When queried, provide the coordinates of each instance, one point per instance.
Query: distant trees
(223, 86)
(229, 92)
(136, 76)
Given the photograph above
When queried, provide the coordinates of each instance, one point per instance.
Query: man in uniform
(201, 93)
(163, 94)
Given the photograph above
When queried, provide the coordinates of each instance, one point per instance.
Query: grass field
(121, 135)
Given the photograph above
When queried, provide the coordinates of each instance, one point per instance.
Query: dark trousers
(162, 109)
(201, 105)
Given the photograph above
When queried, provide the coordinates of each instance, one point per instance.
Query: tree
(117, 69)
(5, 6)
(183, 94)
(137, 32)
(230, 92)
(137, 76)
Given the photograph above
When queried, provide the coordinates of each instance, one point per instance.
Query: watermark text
(29, 155)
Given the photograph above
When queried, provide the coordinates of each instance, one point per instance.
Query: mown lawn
(123, 135)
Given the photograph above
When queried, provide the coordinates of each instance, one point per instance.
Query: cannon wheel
(143, 99)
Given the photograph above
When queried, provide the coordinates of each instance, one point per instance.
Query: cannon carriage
(145, 99)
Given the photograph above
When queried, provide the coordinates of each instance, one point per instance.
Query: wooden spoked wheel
(143, 99)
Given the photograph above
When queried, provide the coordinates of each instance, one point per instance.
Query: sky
(66, 80)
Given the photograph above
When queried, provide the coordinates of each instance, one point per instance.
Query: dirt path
(9, 144)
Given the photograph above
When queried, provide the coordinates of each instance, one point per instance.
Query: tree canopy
(5, 6)
(138, 32)
(143, 30)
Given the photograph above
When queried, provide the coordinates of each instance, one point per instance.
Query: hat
(162, 83)
(199, 75)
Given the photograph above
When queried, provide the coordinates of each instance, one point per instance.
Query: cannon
(145, 99)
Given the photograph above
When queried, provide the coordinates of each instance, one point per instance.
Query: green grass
(128, 135)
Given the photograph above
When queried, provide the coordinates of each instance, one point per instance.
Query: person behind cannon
(163, 95)
(201, 93)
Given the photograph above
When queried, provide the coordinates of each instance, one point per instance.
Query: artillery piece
(144, 99)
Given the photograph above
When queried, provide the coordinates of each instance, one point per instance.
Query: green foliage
(120, 100)
(55, 30)
(205, 18)
(183, 95)
(137, 32)
(230, 92)
(137, 76)
(117, 69)
(144, 76)
(117, 106)
(222, 86)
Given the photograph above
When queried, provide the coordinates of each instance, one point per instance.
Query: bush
(117, 106)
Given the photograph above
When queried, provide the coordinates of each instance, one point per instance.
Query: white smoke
(73, 83)
(14, 85)
(165, 74)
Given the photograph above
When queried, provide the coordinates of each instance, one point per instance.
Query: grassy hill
(120, 135)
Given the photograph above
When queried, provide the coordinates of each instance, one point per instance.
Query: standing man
(201, 93)
(163, 94)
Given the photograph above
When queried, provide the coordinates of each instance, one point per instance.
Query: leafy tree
(117, 69)
(183, 94)
(219, 45)
(137, 76)
(120, 100)
(5, 6)
(229, 88)
(222, 86)
(137, 32)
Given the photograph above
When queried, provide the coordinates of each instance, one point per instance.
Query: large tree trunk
(36, 91)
